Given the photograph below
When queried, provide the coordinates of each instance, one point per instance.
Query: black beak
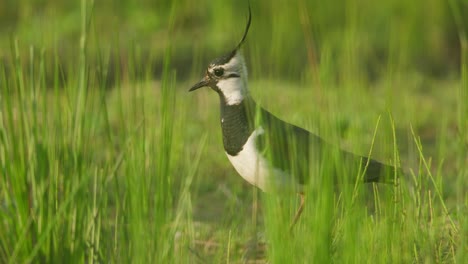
(202, 83)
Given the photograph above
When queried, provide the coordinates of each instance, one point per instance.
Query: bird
(266, 151)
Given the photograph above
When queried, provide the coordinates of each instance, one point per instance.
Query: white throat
(233, 89)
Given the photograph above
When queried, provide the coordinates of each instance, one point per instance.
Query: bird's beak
(202, 83)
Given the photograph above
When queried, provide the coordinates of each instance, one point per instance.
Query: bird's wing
(374, 171)
(287, 146)
(293, 149)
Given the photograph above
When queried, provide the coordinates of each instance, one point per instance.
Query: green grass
(105, 156)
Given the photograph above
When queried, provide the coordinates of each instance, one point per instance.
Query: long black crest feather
(225, 59)
(246, 30)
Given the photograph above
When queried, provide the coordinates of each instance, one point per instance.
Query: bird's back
(294, 150)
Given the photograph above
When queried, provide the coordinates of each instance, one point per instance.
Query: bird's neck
(237, 123)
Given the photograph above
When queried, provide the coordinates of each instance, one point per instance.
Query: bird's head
(227, 75)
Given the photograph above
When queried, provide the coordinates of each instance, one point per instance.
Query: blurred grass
(357, 38)
(105, 157)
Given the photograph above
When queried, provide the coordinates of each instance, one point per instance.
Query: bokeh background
(356, 38)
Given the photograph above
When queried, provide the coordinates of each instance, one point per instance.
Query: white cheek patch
(235, 62)
(234, 86)
(232, 89)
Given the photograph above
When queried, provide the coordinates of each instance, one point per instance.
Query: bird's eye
(219, 72)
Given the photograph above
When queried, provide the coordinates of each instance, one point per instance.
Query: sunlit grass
(113, 164)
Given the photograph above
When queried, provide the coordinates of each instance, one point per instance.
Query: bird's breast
(253, 166)
(236, 128)
(250, 164)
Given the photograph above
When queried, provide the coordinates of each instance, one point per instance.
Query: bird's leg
(298, 213)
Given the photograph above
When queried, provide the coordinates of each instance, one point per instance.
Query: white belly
(255, 169)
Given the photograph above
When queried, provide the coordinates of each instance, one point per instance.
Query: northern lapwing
(265, 150)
